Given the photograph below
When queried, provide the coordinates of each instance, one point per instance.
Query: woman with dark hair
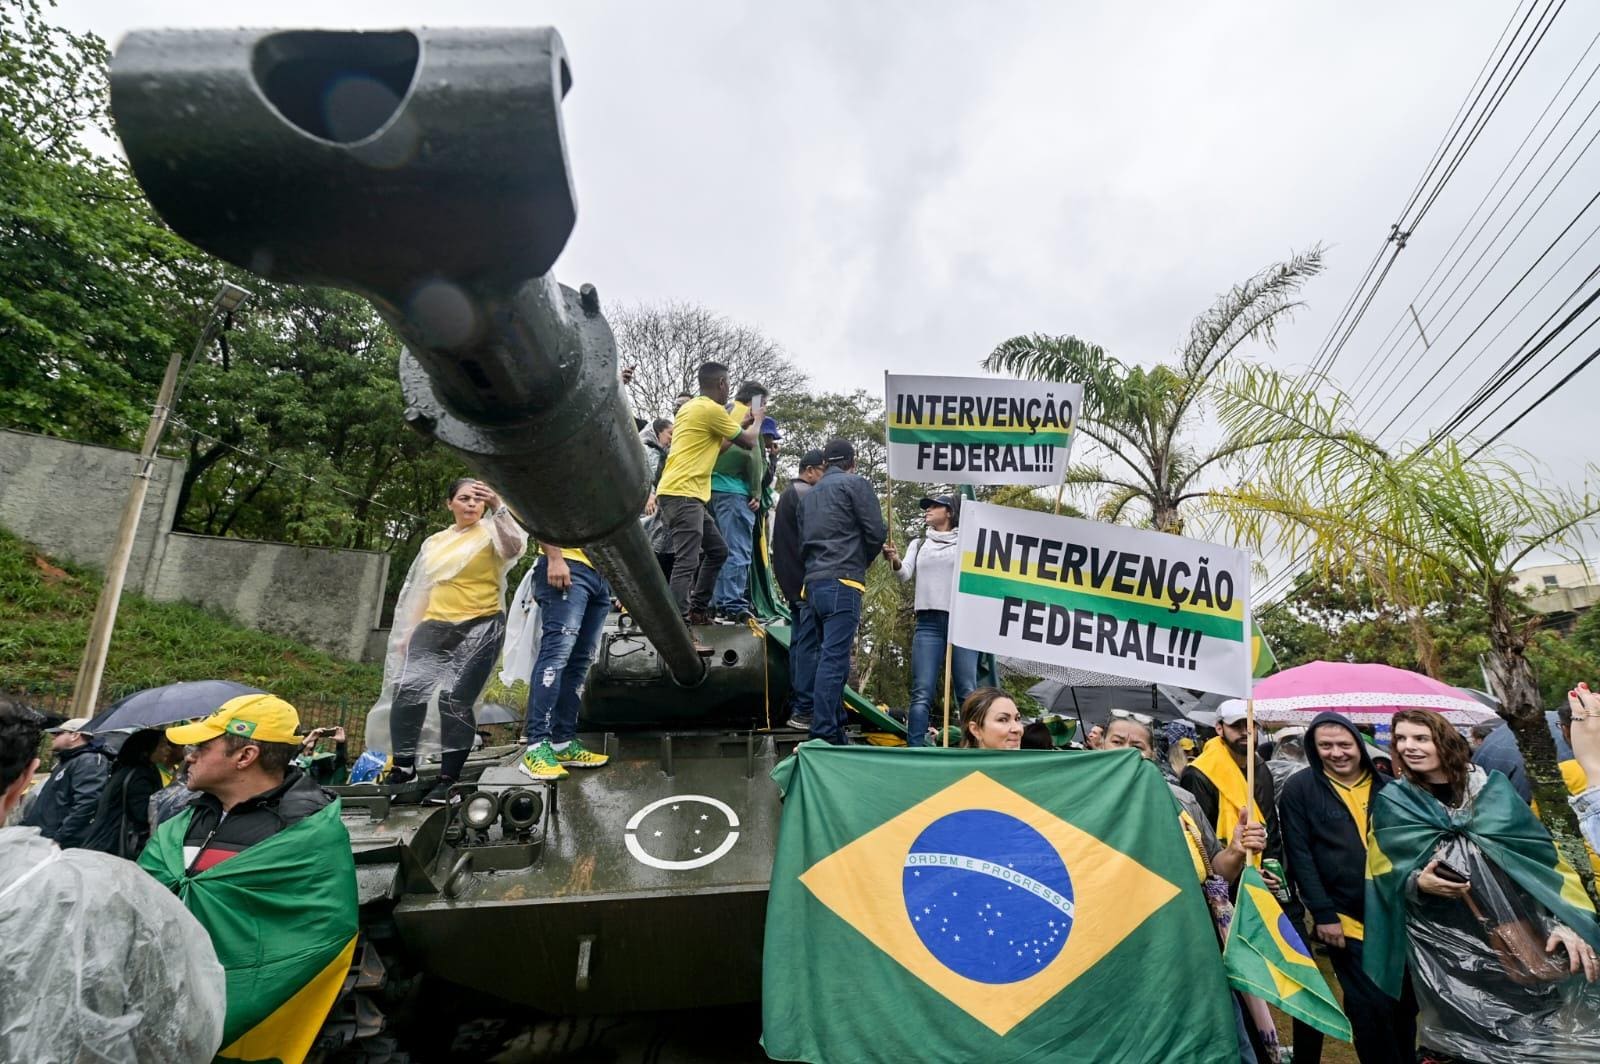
(931, 560)
(1465, 886)
(121, 822)
(990, 720)
(448, 626)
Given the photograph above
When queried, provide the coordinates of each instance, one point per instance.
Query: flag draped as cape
(282, 918)
(1408, 824)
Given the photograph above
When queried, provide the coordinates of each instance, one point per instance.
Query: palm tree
(1142, 417)
(1440, 518)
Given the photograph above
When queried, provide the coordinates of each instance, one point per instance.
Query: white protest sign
(1112, 599)
(979, 430)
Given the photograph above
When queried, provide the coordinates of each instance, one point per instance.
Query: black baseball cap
(812, 459)
(947, 501)
(838, 452)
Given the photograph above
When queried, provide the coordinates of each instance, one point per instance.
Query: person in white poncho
(931, 561)
(98, 962)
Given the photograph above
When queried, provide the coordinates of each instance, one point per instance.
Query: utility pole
(230, 297)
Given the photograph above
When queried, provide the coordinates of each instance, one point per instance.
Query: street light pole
(87, 689)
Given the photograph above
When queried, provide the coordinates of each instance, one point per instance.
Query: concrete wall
(66, 498)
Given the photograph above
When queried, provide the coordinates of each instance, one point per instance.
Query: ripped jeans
(569, 635)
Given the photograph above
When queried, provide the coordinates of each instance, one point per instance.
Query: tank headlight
(479, 810)
(520, 809)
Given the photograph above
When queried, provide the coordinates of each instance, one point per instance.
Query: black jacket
(1327, 859)
(787, 565)
(841, 527)
(122, 820)
(66, 803)
(1199, 784)
(254, 819)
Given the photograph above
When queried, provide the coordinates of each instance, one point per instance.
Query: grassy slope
(45, 610)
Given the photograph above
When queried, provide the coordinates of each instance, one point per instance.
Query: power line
(1535, 404)
(293, 472)
(1424, 296)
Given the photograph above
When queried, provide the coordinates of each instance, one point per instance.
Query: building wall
(66, 498)
(1541, 579)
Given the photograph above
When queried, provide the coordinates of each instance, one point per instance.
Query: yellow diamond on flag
(991, 900)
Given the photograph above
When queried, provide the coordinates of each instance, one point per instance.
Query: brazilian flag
(1408, 826)
(282, 917)
(1266, 957)
(994, 905)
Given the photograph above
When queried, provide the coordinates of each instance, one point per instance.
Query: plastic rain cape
(282, 915)
(443, 555)
(98, 962)
(1485, 987)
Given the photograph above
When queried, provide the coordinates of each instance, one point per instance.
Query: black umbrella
(157, 707)
(495, 713)
(1092, 704)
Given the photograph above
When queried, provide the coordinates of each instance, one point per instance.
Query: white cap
(1232, 711)
(74, 725)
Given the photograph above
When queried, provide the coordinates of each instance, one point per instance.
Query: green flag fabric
(281, 915)
(1266, 957)
(1408, 825)
(961, 905)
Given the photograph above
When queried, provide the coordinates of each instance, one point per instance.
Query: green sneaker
(576, 755)
(540, 763)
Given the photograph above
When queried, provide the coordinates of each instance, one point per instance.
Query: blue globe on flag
(988, 896)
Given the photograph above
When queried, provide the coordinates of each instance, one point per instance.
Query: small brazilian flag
(1266, 957)
(959, 905)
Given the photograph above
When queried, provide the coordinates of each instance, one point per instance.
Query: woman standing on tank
(931, 560)
(449, 624)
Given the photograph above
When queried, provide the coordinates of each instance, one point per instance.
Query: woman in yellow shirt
(449, 624)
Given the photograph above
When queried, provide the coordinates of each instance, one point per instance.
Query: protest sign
(1112, 599)
(979, 430)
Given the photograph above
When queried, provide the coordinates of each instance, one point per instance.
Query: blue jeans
(1587, 806)
(927, 673)
(802, 658)
(737, 523)
(570, 623)
(835, 615)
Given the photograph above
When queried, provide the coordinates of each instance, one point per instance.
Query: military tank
(427, 171)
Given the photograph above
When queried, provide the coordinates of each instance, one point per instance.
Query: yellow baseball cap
(264, 718)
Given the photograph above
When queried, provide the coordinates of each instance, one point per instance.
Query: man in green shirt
(735, 502)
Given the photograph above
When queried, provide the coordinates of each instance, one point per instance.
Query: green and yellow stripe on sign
(1083, 594)
(999, 435)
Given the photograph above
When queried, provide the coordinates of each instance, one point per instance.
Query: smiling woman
(1467, 890)
(990, 721)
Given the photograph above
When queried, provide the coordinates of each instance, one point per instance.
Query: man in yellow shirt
(1325, 819)
(702, 431)
(574, 601)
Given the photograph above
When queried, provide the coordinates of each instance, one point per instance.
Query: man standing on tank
(841, 532)
(700, 433)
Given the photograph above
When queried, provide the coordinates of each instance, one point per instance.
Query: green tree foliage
(1440, 521)
(95, 291)
(1143, 421)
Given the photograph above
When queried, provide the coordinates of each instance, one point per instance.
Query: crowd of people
(1456, 930)
(121, 938)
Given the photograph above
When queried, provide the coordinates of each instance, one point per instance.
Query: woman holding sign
(931, 561)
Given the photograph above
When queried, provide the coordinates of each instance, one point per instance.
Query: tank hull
(644, 887)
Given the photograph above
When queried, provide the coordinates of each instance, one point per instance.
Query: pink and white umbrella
(1367, 694)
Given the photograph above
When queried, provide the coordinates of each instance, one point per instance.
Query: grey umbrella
(156, 707)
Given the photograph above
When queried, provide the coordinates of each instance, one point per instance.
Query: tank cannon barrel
(425, 170)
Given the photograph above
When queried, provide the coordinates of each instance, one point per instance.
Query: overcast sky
(903, 185)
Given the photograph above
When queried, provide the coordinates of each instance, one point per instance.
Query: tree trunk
(1164, 517)
(1520, 704)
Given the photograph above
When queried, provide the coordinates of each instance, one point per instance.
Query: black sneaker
(440, 795)
(800, 723)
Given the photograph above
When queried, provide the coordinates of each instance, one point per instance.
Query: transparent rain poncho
(1485, 987)
(443, 556)
(99, 963)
